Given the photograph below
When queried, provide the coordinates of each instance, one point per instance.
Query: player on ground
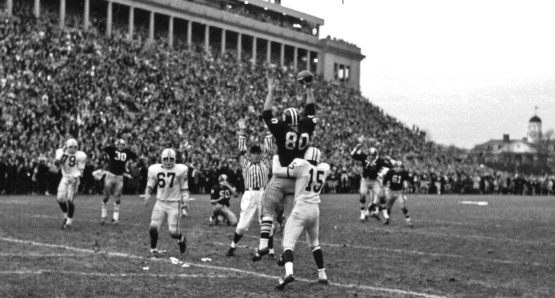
(113, 182)
(293, 135)
(372, 164)
(219, 198)
(394, 181)
(255, 174)
(73, 164)
(172, 198)
(310, 178)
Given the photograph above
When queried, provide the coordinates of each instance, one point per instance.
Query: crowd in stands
(57, 83)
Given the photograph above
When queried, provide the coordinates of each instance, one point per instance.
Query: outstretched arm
(270, 96)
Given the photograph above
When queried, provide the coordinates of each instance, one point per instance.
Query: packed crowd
(60, 83)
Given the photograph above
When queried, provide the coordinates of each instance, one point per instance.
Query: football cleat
(284, 281)
(103, 221)
(114, 222)
(271, 256)
(230, 252)
(323, 282)
(182, 245)
(386, 222)
(64, 224)
(211, 221)
(375, 216)
(260, 253)
(156, 253)
(409, 223)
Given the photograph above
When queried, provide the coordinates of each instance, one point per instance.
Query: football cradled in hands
(305, 77)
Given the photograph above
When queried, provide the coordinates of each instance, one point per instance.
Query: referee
(255, 174)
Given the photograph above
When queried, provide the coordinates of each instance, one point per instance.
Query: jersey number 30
(319, 182)
(291, 140)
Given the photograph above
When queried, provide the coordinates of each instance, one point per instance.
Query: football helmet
(222, 178)
(168, 158)
(313, 154)
(373, 154)
(291, 116)
(71, 145)
(120, 144)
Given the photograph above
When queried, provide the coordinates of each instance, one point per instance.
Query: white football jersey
(310, 178)
(170, 182)
(72, 164)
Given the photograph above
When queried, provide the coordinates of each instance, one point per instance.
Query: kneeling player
(219, 198)
(172, 198)
(394, 181)
(305, 216)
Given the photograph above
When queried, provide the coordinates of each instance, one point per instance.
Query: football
(305, 77)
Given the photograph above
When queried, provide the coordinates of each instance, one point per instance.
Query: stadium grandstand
(176, 73)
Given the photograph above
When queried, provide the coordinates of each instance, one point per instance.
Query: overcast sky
(464, 71)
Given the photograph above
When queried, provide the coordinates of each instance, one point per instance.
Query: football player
(219, 198)
(292, 134)
(370, 182)
(394, 181)
(310, 177)
(172, 198)
(72, 162)
(118, 156)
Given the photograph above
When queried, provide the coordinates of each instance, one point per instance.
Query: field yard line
(41, 255)
(42, 271)
(364, 287)
(415, 231)
(415, 252)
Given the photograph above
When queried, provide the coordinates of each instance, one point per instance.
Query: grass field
(504, 249)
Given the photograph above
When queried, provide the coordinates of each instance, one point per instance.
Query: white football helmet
(373, 154)
(120, 144)
(313, 154)
(71, 145)
(168, 158)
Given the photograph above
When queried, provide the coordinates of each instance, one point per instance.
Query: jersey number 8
(291, 140)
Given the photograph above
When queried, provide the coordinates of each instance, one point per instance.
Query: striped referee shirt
(255, 174)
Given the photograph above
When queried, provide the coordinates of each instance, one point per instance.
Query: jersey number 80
(291, 139)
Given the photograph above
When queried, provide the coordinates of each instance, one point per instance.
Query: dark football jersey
(371, 169)
(291, 143)
(396, 179)
(220, 195)
(118, 159)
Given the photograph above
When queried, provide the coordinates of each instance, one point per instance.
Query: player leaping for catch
(293, 135)
(113, 182)
(310, 177)
(172, 198)
(372, 164)
(72, 162)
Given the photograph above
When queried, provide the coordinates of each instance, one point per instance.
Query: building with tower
(531, 154)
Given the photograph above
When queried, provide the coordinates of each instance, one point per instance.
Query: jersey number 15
(319, 182)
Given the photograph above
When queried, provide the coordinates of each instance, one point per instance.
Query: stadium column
(308, 59)
(207, 38)
(62, 13)
(86, 14)
(189, 35)
(10, 7)
(295, 53)
(170, 32)
(223, 42)
(109, 19)
(254, 50)
(282, 55)
(239, 46)
(151, 27)
(268, 51)
(36, 9)
(131, 22)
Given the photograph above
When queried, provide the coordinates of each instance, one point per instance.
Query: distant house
(528, 155)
